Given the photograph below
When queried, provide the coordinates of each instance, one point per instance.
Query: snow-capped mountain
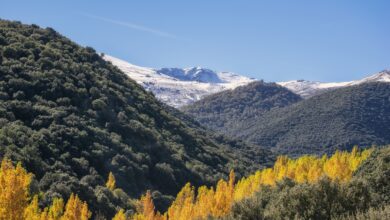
(307, 89)
(192, 74)
(178, 87)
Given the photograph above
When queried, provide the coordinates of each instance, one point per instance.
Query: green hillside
(339, 119)
(71, 118)
(225, 111)
(270, 116)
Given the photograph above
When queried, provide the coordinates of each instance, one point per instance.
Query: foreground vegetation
(305, 188)
(15, 199)
(317, 182)
(364, 196)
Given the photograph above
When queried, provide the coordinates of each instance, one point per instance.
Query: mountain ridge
(307, 89)
(179, 87)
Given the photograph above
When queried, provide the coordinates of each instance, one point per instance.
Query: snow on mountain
(192, 74)
(307, 89)
(178, 87)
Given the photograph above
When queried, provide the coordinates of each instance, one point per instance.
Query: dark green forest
(339, 119)
(71, 118)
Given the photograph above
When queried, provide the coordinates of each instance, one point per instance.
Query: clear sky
(332, 40)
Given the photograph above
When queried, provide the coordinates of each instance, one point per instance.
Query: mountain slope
(307, 89)
(71, 118)
(356, 115)
(225, 110)
(178, 87)
(272, 116)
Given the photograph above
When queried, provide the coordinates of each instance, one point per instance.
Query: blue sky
(272, 40)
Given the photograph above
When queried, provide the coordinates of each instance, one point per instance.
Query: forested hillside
(71, 118)
(339, 119)
(273, 117)
(225, 111)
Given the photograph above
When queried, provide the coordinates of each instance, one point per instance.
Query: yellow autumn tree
(14, 190)
(120, 215)
(110, 184)
(146, 209)
(209, 202)
(204, 202)
(56, 210)
(15, 202)
(75, 209)
(32, 211)
(183, 206)
(340, 166)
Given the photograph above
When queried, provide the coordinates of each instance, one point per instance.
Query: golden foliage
(111, 182)
(307, 168)
(76, 209)
(207, 202)
(32, 211)
(14, 190)
(146, 210)
(54, 212)
(15, 204)
(120, 215)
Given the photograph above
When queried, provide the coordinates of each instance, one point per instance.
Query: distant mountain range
(179, 87)
(293, 117)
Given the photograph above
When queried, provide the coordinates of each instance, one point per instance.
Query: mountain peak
(382, 76)
(198, 74)
(307, 89)
(178, 87)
